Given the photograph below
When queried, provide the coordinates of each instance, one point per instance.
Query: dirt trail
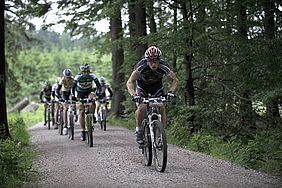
(116, 161)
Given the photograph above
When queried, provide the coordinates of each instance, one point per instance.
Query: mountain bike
(155, 143)
(88, 115)
(71, 112)
(102, 113)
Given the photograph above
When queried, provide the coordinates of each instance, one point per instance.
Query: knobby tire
(71, 128)
(48, 118)
(160, 148)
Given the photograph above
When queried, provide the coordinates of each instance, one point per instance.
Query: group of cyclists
(145, 80)
(74, 88)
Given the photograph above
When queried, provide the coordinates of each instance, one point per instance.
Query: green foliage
(16, 155)
(262, 152)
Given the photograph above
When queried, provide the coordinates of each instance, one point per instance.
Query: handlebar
(153, 100)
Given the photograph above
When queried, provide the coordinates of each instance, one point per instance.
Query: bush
(16, 155)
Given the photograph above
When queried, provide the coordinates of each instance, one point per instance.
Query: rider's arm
(131, 82)
(58, 90)
(110, 91)
(41, 94)
(98, 84)
(171, 76)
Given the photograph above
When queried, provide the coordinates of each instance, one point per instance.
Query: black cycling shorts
(83, 95)
(66, 95)
(154, 91)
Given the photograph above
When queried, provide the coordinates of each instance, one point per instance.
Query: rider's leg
(139, 116)
(163, 113)
(65, 119)
(82, 122)
(45, 113)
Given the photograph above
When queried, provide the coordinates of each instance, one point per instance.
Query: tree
(4, 129)
(117, 61)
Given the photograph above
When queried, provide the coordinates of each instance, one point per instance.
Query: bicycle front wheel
(61, 122)
(103, 120)
(71, 127)
(147, 147)
(160, 147)
(48, 118)
(89, 131)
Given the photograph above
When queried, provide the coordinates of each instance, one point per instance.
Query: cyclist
(104, 88)
(46, 90)
(83, 85)
(55, 97)
(147, 76)
(66, 83)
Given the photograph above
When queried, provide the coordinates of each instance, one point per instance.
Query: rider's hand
(136, 98)
(170, 95)
(73, 98)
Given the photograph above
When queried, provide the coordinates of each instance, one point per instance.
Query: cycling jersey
(104, 88)
(67, 84)
(84, 83)
(150, 81)
(47, 91)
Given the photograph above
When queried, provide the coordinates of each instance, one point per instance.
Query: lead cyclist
(147, 79)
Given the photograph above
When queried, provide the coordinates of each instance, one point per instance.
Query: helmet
(153, 52)
(67, 73)
(47, 83)
(85, 67)
(102, 80)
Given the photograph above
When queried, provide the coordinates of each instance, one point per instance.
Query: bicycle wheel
(71, 127)
(147, 147)
(160, 147)
(89, 131)
(61, 122)
(48, 118)
(103, 120)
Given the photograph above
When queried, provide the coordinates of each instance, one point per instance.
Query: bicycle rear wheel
(48, 118)
(71, 127)
(147, 147)
(89, 131)
(160, 147)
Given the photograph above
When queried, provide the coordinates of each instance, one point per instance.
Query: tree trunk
(272, 112)
(117, 61)
(4, 129)
(152, 22)
(132, 32)
(189, 88)
(245, 107)
(140, 27)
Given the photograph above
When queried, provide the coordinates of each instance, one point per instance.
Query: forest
(227, 55)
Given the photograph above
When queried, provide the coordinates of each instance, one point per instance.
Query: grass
(16, 154)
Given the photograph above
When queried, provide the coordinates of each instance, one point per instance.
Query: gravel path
(116, 161)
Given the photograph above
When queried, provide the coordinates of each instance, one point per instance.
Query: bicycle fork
(152, 119)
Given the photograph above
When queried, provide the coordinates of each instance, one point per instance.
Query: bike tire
(103, 120)
(71, 127)
(89, 132)
(160, 147)
(147, 147)
(61, 123)
(48, 119)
